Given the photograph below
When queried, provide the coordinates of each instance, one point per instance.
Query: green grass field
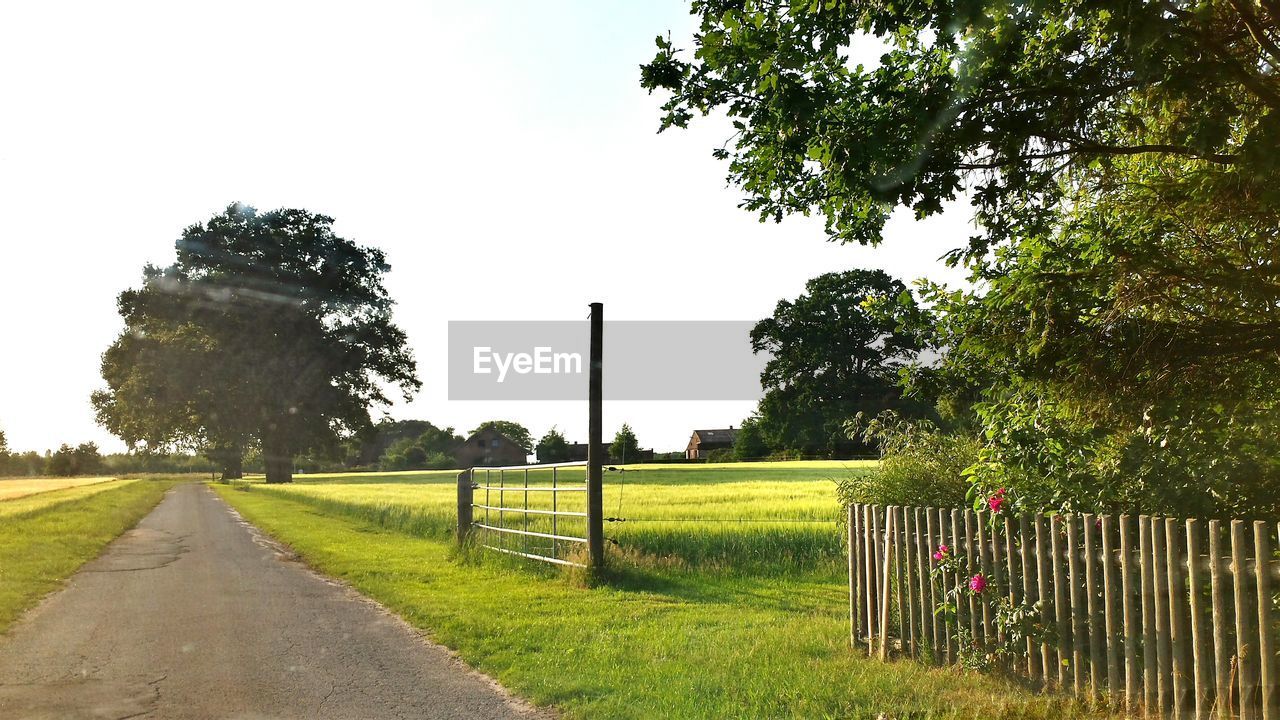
(44, 538)
(697, 618)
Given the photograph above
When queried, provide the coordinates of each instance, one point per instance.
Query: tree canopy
(831, 358)
(269, 327)
(1121, 329)
(624, 445)
(552, 447)
(518, 433)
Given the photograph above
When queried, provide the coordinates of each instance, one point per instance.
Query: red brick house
(703, 442)
(490, 447)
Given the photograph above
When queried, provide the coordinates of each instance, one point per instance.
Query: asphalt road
(194, 614)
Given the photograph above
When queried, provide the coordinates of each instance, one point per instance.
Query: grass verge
(646, 643)
(39, 549)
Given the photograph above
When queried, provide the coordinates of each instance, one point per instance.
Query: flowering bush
(1014, 622)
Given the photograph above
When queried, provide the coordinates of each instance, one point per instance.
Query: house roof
(726, 435)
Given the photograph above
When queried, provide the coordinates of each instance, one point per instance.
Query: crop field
(19, 487)
(45, 537)
(762, 516)
(726, 594)
(33, 502)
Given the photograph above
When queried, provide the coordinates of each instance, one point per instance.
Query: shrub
(919, 464)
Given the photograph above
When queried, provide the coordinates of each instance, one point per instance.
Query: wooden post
(1150, 665)
(908, 563)
(1178, 632)
(1164, 659)
(964, 608)
(595, 440)
(1132, 616)
(930, 545)
(855, 573)
(1030, 590)
(1201, 640)
(1061, 601)
(1079, 620)
(1270, 673)
(949, 627)
(1043, 564)
(900, 601)
(466, 498)
(1222, 651)
(1246, 633)
(925, 605)
(1111, 605)
(1093, 606)
(985, 564)
(886, 587)
(871, 572)
(977, 626)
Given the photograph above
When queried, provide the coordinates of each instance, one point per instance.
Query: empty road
(192, 614)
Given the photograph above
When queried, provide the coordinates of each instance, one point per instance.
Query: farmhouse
(704, 441)
(490, 447)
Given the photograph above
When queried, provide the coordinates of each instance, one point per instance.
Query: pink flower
(977, 583)
(941, 553)
(997, 501)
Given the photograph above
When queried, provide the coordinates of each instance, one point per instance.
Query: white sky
(502, 153)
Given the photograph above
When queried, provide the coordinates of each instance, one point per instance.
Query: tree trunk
(278, 461)
(233, 467)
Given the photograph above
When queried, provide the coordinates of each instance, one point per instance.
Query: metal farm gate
(537, 512)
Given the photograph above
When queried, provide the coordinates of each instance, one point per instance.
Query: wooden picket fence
(1171, 617)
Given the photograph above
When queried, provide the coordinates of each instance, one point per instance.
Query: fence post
(1267, 644)
(1202, 647)
(1030, 596)
(1130, 606)
(1178, 633)
(1093, 608)
(936, 635)
(907, 560)
(1110, 593)
(1150, 685)
(871, 573)
(1221, 618)
(1246, 640)
(595, 442)
(1061, 603)
(1164, 649)
(855, 575)
(465, 500)
(886, 588)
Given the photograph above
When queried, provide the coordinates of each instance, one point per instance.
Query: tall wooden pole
(595, 440)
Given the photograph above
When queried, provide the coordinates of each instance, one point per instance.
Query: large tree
(834, 355)
(277, 321)
(624, 445)
(519, 434)
(1119, 157)
(552, 447)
